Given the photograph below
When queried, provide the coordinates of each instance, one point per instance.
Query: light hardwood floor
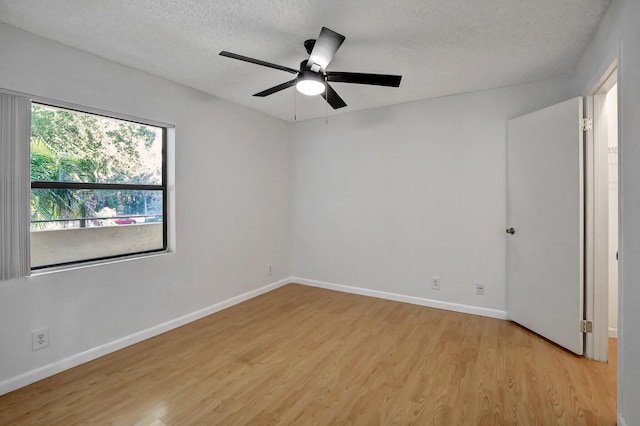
(307, 356)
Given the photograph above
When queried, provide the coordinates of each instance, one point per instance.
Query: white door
(545, 208)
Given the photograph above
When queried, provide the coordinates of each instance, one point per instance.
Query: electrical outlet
(269, 270)
(480, 289)
(39, 339)
(435, 283)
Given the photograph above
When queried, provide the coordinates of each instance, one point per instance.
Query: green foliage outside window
(74, 147)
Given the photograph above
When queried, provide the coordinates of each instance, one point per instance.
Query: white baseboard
(621, 421)
(40, 373)
(613, 332)
(449, 306)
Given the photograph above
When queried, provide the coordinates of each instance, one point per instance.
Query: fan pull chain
(295, 105)
(326, 107)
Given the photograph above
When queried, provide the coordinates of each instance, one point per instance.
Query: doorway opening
(611, 108)
(559, 248)
(602, 218)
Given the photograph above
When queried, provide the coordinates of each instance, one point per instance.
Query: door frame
(597, 219)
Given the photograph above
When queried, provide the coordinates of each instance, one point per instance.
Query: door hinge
(586, 326)
(586, 124)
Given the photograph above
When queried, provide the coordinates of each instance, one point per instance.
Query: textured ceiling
(441, 47)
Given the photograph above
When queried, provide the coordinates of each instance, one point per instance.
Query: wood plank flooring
(308, 356)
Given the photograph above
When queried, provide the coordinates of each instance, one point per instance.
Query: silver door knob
(511, 231)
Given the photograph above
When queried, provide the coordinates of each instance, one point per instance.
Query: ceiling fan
(312, 78)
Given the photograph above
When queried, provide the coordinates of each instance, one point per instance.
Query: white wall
(232, 185)
(619, 31)
(387, 198)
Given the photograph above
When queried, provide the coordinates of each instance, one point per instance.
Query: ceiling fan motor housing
(315, 68)
(307, 74)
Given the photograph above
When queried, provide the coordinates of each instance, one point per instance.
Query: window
(98, 187)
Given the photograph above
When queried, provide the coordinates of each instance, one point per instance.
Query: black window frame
(111, 186)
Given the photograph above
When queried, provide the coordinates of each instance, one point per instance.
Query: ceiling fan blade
(277, 88)
(258, 62)
(362, 78)
(333, 98)
(326, 46)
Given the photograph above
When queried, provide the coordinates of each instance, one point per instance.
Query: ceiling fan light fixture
(310, 83)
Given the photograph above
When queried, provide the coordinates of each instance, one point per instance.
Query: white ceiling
(441, 47)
